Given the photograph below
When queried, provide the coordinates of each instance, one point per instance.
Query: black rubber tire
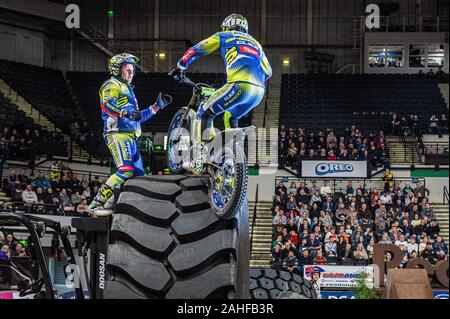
(240, 183)
(180, 170)
(269, 283)
(166, 242)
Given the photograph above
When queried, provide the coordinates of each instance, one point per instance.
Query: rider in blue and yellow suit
(247, 71)
(122, 126)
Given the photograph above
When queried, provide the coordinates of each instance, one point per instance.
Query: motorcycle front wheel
(228, 187)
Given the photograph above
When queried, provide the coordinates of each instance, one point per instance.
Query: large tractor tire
(271, 283)
(166, 242)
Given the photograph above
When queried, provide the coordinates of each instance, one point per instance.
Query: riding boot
(97, 205)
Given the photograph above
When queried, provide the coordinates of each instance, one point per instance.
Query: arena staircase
(444, 87)
(262, 234)
(403, 153)
(266, 116)
(442, 212)
(40, 119)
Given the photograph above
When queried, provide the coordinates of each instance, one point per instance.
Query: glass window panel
(377, 56)
(394, 57)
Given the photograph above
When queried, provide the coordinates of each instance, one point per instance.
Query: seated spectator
(364, 213)
(331, 156)
(314, 244)
(76, 198)
(349, 190)
(314, 188)
(55, 207)
(316, 198)
(433, 229)
(416, 219)
(19, 251)
(319, 259)
(40, 195)
(288, 246)
(429, 254)
(421, 189)
(341, 214)
(65, 200)
(325, 219)
(290, 261)
(343, 246)
(12, 181)
(5, 252)
(303, 197)
(412, 246)
(42, 182)
(440, 245)
(280, 217)
(292, 188)
(291, 155)
(433, 126)
(281, 188)
(360, 255)
(279, 227)
(325, 190)
(86, 194)
(402, 243)
(29, 197)
(24, 179)
(370, 249)
(291, 204)
(304, 224)
(385, 239)
(305, 260)
(331, 247)
(277, 256)
(82, 208)
(314, 211)
(293, 237)
(278, 241)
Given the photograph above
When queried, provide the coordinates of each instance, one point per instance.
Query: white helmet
(235, 22)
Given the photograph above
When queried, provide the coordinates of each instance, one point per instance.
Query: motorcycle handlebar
(185, 80)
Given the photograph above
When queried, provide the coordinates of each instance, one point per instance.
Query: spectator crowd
(316, 226)
(20, 144)
(11, 247)
(60, 192)
(296, 145)
(410, 125)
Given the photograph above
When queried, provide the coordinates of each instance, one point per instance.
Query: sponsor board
(339, 276)
(13, 295)
(334, 169)
(330, 294)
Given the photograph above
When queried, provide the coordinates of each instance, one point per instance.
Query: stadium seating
(45, 89)
(320, 101)
(13, 118)
(48, 91)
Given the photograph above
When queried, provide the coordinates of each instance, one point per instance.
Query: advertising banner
(330, 294)
(328, 169)
(339, 276)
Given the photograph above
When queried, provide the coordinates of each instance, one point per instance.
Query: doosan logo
(101, 271)
(330, 168)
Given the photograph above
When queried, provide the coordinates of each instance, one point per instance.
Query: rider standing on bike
(122, 126)
(247, 71)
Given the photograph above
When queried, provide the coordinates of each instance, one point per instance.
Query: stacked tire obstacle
(165, 242)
